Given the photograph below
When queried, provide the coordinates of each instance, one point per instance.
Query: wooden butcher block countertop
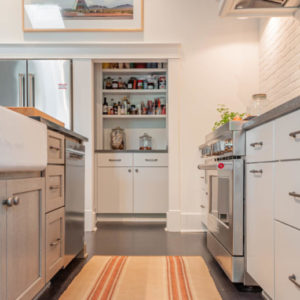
(33, 112)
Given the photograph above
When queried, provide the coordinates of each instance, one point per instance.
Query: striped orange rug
(143, 278)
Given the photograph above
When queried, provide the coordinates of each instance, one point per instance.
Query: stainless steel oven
(224, 152)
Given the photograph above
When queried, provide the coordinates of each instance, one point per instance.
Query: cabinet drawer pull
(54, 148)
(55, 187)
(113, 160)
(16, 200)
(8, 202)
(294, 134)
(256, 171)
(293, 279)
(254, 145)
(151, 160)
(202, 206)
(293, 194)
(54, 244)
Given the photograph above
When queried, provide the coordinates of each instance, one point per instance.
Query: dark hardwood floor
(145, 239)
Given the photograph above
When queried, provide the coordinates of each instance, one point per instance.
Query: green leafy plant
(226, 116)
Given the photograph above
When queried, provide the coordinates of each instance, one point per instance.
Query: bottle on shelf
(105, 107)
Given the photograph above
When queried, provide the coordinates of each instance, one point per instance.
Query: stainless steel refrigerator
(43, 84)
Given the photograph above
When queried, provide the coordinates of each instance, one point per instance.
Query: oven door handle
(207, 167)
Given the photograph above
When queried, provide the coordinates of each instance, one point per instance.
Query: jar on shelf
(258, 104)
(108, 83)
(115, 84)
(145, 142)
(118, 138)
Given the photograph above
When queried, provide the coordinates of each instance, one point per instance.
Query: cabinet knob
(136, 170)
(8, 202)
(129, 171)
(16, 200)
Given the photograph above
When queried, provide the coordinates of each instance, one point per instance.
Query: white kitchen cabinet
(260, 143)
(150, 190)
(287, 192)
(115, 160)
(287, 262)
(259, 224)
(140, 187)
(22, 226)
(287, 138)
(115, 190)
(151, 159)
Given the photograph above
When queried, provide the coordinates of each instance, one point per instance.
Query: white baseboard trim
(131, 220)
(90, 220)
(193, 230)
(173, 221)
(192, 222)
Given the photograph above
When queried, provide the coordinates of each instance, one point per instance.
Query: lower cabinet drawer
(287, 262)
(55, 187)
(115, 159)
(55, 246)
(56, 148)
(287, 193)
(150, 159)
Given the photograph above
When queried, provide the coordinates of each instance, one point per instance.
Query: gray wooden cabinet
(22, 225)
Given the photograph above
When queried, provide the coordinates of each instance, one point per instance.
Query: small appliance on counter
(224, 152)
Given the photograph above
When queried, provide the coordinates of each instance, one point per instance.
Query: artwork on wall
(83, 15)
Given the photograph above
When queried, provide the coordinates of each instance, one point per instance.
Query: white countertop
(23, 143)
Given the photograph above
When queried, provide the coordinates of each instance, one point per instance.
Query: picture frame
(83, 15)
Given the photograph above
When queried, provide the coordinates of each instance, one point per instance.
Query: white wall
(219, 65)
(280, 59)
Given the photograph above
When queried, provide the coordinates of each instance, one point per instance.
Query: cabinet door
(55, 246)
(3, 240)
(25, 240)
(151, 190)
(259, 225)
(287, 263)
(115, 193)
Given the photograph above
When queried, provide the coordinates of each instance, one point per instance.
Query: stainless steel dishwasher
(74, 200)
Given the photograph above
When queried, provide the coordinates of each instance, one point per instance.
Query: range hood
(258, 8)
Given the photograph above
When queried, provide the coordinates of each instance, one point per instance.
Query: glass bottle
(258, 104)
(105, 107)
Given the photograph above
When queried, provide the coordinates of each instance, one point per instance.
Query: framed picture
(83, 15)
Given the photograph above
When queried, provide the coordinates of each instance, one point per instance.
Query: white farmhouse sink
(23, 143)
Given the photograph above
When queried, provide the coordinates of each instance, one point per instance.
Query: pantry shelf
(133, 71)
(127, 92)
(134, 116)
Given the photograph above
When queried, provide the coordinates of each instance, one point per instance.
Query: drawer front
(287, 262)
(150, 159)
(55, 235)
(115, 160)
(56, 148)
(287, 139)
(260, 143)
(287, 193)
(55, 187)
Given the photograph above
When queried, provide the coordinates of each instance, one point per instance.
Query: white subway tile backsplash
(280, 59)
